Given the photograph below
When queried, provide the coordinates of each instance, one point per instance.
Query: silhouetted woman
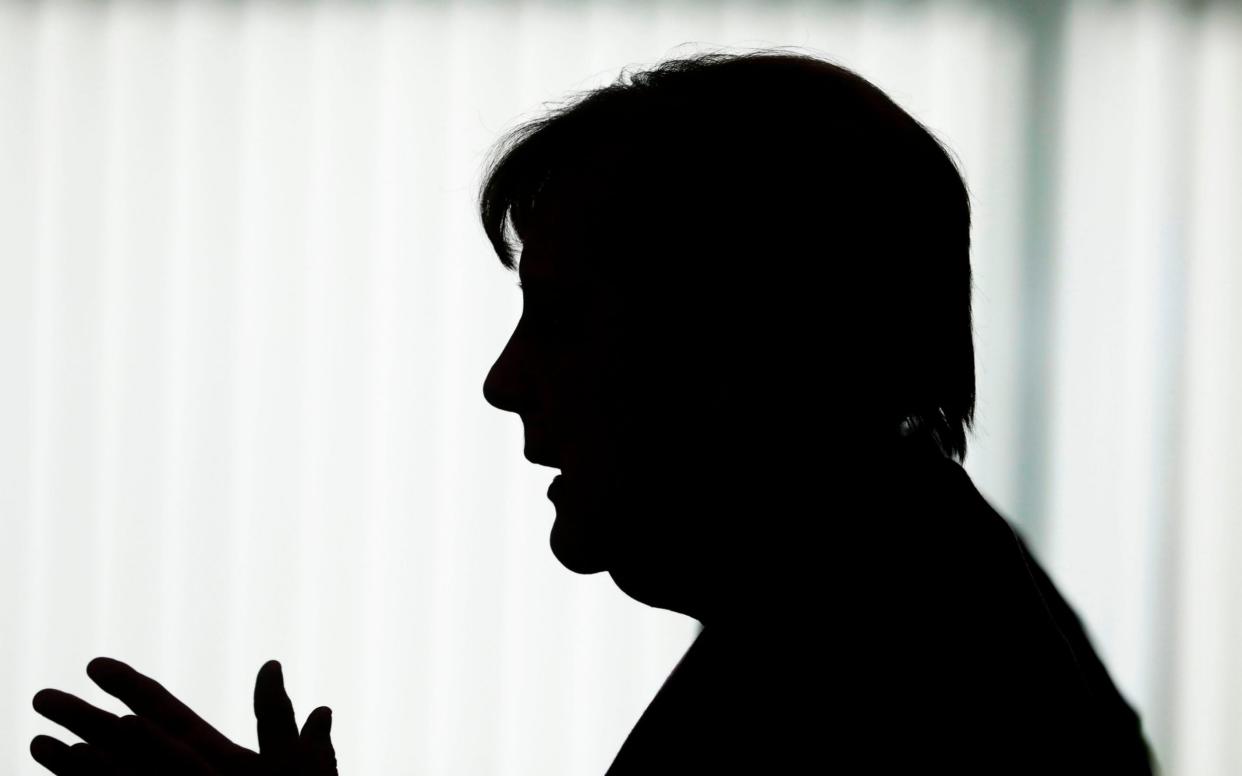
(746, 343)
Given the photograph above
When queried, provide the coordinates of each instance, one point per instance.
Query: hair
(779, 182)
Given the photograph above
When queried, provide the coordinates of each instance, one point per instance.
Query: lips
(554, 488)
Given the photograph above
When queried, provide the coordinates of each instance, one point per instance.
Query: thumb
(318, 754)
(318, 726)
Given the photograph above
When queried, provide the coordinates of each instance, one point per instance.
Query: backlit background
(246, 311)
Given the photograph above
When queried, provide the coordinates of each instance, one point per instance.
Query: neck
(804, 528)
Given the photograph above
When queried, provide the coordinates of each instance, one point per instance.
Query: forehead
(560, 242)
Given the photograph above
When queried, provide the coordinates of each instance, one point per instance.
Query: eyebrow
(537, 288)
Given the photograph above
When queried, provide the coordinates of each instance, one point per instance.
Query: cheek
(630, 400)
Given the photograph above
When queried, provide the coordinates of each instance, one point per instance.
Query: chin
(579, 551)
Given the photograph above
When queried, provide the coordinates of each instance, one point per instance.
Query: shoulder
(1019, 644)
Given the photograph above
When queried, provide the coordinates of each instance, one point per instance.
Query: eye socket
(547, 318)
(551, 313)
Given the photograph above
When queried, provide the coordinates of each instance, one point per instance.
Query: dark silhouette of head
(746, 284)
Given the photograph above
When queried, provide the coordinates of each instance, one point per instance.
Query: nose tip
(507, 384)
(489, 393)
(494, 392)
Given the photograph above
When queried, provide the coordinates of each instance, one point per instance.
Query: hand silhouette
(163, 735)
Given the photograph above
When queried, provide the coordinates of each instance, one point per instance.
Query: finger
(142, 694)
(79, 759)
(318, 726)
(54, 755)
(273, 712)
(91, 760)
(91, 724)
(148, 698)
(317, 755)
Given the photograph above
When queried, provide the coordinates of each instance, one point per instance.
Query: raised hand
(163, 735)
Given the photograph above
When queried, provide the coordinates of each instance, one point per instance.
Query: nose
(501, 387)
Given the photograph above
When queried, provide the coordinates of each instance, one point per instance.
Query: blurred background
(246, 310)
